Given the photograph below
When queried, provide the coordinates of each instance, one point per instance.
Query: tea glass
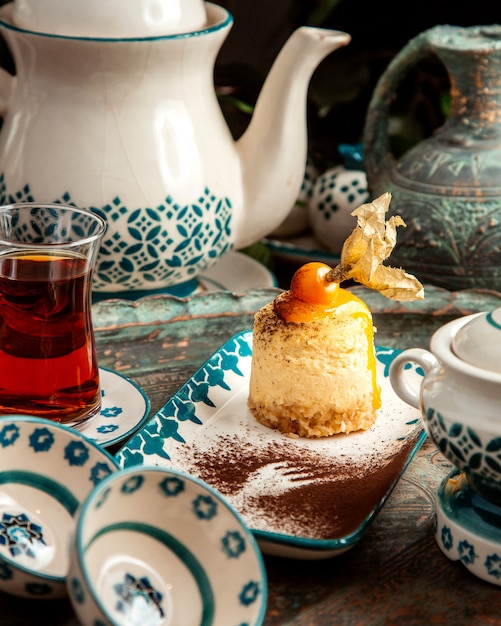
(48, 360)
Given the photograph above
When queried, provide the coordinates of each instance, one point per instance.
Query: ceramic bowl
(46, 472)
(467, 527)
(157, 546)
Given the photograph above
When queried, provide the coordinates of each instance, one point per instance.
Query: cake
(313, 368)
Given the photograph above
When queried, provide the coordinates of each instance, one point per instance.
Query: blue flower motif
(109, 428)
(185, 412)
(466, 552)
(133, 588)
(103, 497)
(172, 486)
(41, 439)
(153, 444)
(5, 571)
(245, 349)
(493, 565)
(38, 589)
(98, 472)
(233, 544)
(215, 376)
(447, 539)
(200, 393)
(132, 484)
(112, 411)
(205, 507)
(230, 362)
(249, 593)
(130, 459)
(77, 591)
(8, 435)
(386, 356)
(76, 453)
(20, 535)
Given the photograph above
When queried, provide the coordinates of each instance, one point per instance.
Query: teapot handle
(6, 84)
(399, 381)
(377, 155)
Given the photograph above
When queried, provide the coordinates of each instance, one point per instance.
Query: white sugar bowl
(460, 396)
(460, 402)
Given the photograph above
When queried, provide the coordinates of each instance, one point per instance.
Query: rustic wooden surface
(396, 574)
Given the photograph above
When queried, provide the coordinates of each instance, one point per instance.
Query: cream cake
(313, 370)
(313, 364)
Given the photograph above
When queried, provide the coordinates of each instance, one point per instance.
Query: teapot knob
(478, 342)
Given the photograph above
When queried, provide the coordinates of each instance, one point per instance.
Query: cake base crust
(299, 422)
(314, 379)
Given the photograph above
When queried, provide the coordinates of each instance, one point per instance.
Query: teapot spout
(273, 149)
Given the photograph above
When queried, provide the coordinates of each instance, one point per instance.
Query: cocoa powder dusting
(281, 489)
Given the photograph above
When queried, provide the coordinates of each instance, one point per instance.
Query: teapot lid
(478, 342)
(110, 18)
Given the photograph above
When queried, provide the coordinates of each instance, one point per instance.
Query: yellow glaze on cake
(315, 378)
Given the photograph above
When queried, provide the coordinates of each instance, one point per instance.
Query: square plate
(302, 498)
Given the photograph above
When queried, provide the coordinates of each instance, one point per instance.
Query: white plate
(237, 272)
(125, 407)
(298, 496)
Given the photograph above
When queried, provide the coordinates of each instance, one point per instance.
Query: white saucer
(237, 272)
(125, 407)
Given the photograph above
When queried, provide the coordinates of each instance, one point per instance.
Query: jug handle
(377, 155)
(6, 83)
(399, 381)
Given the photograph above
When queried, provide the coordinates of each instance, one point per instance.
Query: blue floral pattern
(140, 593)
(124, 407)
(169, 243)
(25, 539)
(465, 449)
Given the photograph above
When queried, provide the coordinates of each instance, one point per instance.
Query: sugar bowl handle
(400, 382)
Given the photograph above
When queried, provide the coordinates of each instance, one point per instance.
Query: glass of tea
(48, 361)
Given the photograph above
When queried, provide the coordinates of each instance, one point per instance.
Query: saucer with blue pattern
(125, 407)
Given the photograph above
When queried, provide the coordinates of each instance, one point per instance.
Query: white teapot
(116, 118)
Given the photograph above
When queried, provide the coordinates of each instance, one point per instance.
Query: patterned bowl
(46, 472)
(468, 527)
(460, 401)
(157, 547)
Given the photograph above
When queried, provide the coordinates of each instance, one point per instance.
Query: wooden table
(396, 574)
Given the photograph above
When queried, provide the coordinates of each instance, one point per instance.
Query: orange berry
(310, 285)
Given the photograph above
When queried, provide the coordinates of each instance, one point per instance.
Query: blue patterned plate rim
(208, 400)
(299, 249)
(125, 408)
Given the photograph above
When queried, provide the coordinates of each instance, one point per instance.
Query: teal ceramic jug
(447, 188)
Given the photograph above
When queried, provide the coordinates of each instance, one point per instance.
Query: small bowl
(46, 472)
(157, 546)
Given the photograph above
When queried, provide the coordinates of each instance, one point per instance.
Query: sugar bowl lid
(478, 342)
(110, 18)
